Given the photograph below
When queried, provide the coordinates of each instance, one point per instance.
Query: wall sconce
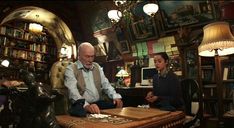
(217, 41)
(5, 63)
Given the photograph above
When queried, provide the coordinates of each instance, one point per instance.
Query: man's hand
(118, 102)
(12, 83)
(92, 108)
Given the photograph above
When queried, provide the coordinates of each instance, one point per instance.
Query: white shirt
(91, 93)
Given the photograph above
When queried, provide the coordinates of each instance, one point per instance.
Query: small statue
(33, 106)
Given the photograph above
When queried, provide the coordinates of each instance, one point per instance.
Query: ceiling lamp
(150, 9)
(114, 15)
(125, 8)
(36, 28)
(217, 37)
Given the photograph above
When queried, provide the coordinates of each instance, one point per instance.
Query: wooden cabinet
(35, 52)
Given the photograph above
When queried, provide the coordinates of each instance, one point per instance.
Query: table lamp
(217, 41)
(121, 74)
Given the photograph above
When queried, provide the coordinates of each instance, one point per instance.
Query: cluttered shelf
(26, 49)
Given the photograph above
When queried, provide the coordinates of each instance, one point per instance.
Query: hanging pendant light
(35, 27)
(150, 9)
(114, 15)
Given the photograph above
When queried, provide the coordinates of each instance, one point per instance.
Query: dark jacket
(168, 90)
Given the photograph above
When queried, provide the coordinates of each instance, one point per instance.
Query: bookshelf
(35, 52)
(209, 84)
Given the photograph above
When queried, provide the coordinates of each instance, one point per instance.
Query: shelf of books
(210, 92)
(25, 49)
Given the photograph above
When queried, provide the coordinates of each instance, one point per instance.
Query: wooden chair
(57, 83)
(191, 95)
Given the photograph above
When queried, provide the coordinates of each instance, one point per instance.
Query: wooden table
(145, 119)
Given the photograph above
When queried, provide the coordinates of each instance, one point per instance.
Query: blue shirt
(91, 93)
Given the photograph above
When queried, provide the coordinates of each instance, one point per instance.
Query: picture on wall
(142, 27)
(181, 13)
(113, 52)
(120, 34)
(124, 46)
(142, 30)
(100, 20)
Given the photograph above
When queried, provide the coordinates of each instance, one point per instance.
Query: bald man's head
(86, 54)
(84, 46)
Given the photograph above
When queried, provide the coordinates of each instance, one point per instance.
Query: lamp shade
(217, 36)
(114, 15)
(34, 27)
(150, 9)
(122, 73)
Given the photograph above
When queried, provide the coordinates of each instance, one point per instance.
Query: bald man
(86, 80)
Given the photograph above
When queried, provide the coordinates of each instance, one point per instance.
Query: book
(9, 31)
(225, 73)
(3, 30)
(231, 72)
(18, 33)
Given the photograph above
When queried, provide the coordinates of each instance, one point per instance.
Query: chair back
(57, 82)
(191, 95)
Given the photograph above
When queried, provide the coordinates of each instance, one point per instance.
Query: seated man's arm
(109, 90)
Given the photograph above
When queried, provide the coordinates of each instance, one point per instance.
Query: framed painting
(143, 27)
(143, 30)
(120, 33)
(124, 46)
(181, 13)
(113, 53)
(100, 20)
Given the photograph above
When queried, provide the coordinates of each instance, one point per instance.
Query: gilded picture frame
(182, 13)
